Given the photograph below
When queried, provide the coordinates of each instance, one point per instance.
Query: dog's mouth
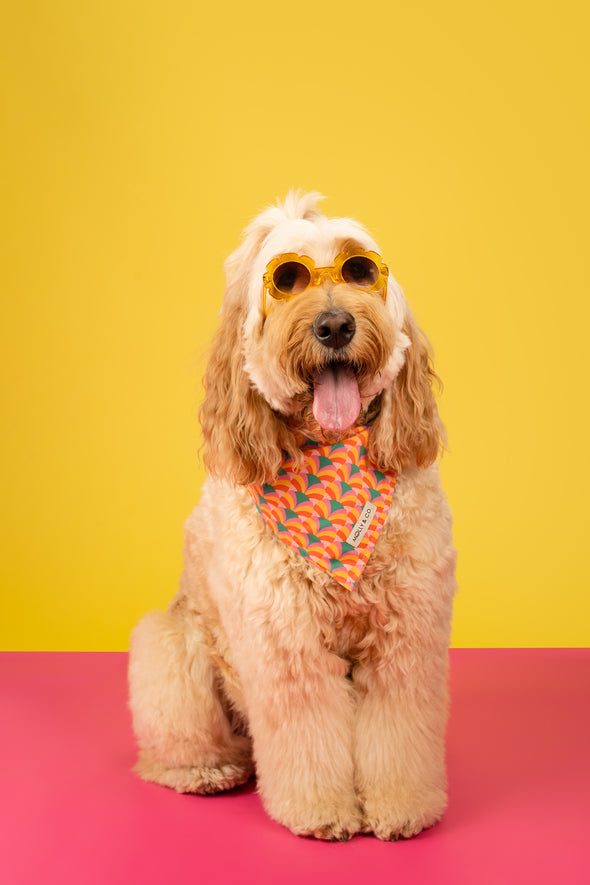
(336, 397)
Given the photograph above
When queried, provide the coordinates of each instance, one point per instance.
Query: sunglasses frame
(318, 274)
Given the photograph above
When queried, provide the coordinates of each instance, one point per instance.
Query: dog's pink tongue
(336, 399)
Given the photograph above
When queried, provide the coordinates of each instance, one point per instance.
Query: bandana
(332, 509)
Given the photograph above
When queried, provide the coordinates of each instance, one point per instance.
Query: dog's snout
(334, 328)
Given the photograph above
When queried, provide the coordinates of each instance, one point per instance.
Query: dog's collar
(331, 509)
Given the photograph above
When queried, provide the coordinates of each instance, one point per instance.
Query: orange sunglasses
(290, 274)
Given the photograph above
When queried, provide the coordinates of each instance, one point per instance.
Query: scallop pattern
(314, 509)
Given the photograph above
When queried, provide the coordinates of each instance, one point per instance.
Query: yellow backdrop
(139, 138)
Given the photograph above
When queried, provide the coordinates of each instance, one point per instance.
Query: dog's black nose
(334, 328)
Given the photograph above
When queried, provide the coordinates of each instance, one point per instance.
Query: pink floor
(71, 811)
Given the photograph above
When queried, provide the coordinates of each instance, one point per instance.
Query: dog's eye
(291, 278)
(360, 271)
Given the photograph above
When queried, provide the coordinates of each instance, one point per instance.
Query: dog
(316, 660)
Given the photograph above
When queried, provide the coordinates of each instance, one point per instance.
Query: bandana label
(360, 529)
(332, 509)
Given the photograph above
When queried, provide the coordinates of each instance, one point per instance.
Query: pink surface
(72, 811)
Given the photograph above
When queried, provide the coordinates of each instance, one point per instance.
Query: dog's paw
(329, 821)
(329, 824)
(203, 779)
(334, 831)
(395, 818)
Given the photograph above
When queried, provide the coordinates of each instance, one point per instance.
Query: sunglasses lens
(291, 278)
(360, 271)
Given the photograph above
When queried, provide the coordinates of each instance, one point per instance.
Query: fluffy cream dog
(336, 698)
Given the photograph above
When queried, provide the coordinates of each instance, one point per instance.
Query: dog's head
(323, 352)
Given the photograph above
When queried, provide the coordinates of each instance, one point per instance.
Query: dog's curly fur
(337, 699)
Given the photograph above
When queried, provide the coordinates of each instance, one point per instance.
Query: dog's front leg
(301, 713)
(400, 754)
(400, 725)
(399, 746)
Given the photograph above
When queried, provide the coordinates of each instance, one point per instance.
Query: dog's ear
(242, 436)
(408, 430)
(243, 439)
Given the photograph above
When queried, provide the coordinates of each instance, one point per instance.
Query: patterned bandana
(332, 509)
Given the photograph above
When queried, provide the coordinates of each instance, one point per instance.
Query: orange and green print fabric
(332, 509)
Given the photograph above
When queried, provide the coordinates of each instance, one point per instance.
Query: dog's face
(320, 358)
(322, 361)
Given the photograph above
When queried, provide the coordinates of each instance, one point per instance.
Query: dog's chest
(357, 624)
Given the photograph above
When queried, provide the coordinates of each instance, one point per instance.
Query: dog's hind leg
(185, 738)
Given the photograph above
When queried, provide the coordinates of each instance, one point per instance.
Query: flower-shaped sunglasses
(290, 274)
